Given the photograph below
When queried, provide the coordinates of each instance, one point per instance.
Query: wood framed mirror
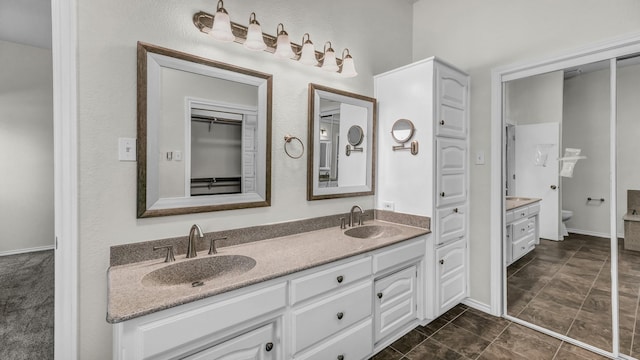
(204, 134)
(334, 117)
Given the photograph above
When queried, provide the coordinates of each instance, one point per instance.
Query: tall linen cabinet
(434, 96)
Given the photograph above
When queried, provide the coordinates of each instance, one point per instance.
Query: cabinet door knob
(380, 295)
(441, 122)
(455, 210)
(441, 261)
(269, 346)
(340, 279)
(340, 357)
(523, 248)
(442, 194)
(553, 187)
(340, 315)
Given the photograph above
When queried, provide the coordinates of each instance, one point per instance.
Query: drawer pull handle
(455, 210)
(523, 248)
(379, 295)
(269, 346)
(340, 315)
(340, 279)
(442, 194)
(441, 261)
(340, 357)
(441, 122)
(523, 214)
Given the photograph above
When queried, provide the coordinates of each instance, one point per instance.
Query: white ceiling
(26, 22)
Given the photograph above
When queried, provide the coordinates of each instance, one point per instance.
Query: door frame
(65, 143)
(601, 51)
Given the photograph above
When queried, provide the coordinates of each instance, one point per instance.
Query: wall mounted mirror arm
(402, 131)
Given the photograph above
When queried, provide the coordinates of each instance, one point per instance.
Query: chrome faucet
(191, 248)
(359, 217)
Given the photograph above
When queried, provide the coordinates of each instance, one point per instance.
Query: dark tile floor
(465, 333)
(566, 287)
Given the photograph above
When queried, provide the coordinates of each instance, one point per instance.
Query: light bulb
(255, 41)
(329, 62)
(221, 29)
(283, 45)
(308, 52)
(348, 67)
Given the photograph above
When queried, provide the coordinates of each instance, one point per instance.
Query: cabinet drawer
(258, 344)
(157, 337)
(353, 344)
(395, 302)
(520, 213)
(398, 255)
(451, 223)
(523, 227)
(330, 279)
(326, 317)
(523, 246)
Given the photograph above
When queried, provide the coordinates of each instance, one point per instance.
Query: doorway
(604, 296)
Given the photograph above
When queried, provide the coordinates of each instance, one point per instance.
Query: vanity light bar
(344, 67)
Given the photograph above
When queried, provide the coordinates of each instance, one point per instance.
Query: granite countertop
(631, 217)
(129, 298)
(513, 202)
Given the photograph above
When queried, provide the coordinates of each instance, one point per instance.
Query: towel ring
(287, 140)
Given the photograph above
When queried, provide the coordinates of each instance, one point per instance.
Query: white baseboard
(24, 251)
(592, 233)
(478, 305)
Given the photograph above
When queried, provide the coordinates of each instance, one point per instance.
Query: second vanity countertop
(514, 202)
(129, 298)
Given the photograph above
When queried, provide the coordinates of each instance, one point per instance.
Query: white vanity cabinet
(209, 325)
(332, 311)
(522, 231)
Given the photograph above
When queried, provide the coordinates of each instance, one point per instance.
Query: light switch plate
(126, 149)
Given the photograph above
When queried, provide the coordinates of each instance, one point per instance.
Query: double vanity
(326, 294)
(319, 288)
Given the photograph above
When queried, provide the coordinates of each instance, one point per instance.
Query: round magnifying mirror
(402, 130)
(355, 135)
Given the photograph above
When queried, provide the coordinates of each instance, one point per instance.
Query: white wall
(107, 34)
(534, 100)
(406, 180)
(587, 118)
(586, 127)
(480, 35)
(26, 147)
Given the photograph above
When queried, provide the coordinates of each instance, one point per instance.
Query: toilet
(566, 216)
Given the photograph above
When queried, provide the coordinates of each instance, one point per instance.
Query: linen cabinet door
(451, 171)
(451, 275)
(259, 344)
(452, 99)
(395, 302)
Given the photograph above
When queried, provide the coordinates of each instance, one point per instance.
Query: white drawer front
(390, 258)
(250, 346)
(158, 337)
(395, 302)
(330, 279)
(523, 246)
(451, 122)
(451, 223)
(522, 228)
(326, 317)
(353, 344)
(520, 213)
